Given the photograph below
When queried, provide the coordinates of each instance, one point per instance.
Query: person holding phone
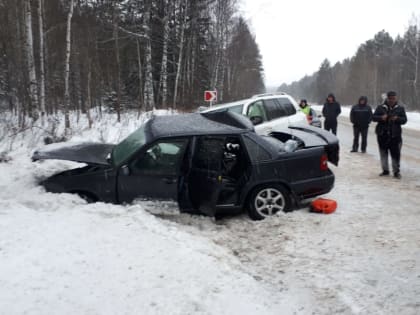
(389, 117)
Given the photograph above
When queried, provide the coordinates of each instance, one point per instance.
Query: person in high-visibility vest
(306, 109)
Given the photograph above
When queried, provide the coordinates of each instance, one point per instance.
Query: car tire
(266, 201)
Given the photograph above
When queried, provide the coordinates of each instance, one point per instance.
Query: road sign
(210, 96)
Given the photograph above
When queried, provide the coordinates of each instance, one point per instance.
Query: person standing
(360, 117)
(304, 107)
(330, 111)
(390, 116)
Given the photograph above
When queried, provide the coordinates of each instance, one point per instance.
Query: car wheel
(268, 200)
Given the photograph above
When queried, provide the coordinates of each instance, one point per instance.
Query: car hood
(90, 153)
(311, 137)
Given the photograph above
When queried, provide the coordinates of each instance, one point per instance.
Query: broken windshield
(128, 146)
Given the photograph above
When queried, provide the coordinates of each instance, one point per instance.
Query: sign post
(210, 96)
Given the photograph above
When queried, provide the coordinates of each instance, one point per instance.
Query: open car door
(310, 137)
(205, 176)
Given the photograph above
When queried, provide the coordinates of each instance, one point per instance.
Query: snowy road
(363, 259)
(411, 144)
(61, 255)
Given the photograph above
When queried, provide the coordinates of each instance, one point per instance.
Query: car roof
(198, 124)
(266, 96)
(226, 105)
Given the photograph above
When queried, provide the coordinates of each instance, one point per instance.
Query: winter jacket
(389, 128)
(331, 111)
(361, 115)
(306, 110)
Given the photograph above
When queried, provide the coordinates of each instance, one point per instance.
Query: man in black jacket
(360, 116)
(330, 111)
(390, 116)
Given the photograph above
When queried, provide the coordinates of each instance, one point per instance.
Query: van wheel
(268, 200)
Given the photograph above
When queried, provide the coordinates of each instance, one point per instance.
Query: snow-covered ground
(60, 255)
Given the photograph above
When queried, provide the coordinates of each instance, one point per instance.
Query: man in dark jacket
(390, 116)
(330, 111)
(360, 116)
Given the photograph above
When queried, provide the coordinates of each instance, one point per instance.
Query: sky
(295, 36)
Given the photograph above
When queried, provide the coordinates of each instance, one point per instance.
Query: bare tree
(117, 60)
(149, 97)
(67, 67)
(181, 52)
(163, 82)
(33, 84)
(41, 59)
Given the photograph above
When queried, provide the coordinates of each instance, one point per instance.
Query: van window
(256, 109)
(274, 110)
(286, 105)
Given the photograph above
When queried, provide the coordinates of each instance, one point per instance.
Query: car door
(154, 172)
(205, 177)
(293, 116)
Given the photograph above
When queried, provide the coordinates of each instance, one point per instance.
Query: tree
(67, 67)
(33, 83)
(324, 80)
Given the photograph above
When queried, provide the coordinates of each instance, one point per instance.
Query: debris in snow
(4, 158)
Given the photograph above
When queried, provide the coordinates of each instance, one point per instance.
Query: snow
(61, 255)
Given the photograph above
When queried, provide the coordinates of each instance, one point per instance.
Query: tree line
(73, 55)
(380, 64)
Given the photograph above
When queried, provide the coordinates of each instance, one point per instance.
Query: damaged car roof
(198, 124)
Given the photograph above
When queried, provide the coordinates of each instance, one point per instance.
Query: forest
(380, 64)
(114, 55)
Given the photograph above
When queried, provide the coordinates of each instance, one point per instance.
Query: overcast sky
(295, 36)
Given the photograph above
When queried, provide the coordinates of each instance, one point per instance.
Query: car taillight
(324, 162)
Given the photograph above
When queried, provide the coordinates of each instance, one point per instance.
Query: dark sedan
(210, 163)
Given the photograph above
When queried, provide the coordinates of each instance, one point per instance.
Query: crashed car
(211, 163)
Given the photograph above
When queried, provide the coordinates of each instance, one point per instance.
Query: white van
(268, 112)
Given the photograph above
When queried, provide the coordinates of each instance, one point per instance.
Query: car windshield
(128, 146)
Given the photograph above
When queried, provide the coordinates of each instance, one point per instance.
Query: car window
(287, 105)
(128, 146)
(163, 157)
(209, 152)
(274, 110)
(256, 152)
(236, 109)
(256, 109)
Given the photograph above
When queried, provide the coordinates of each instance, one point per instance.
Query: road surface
(410, 154)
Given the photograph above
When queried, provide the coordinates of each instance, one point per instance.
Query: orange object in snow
(322, 205)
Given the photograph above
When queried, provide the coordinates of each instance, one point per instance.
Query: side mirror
(125, 170)
(256, 120)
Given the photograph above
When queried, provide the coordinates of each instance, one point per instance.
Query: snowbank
(60, 255)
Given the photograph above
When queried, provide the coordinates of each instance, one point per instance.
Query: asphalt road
(410, 154)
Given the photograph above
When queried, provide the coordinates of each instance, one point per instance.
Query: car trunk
(310, 137)
(90, 153)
